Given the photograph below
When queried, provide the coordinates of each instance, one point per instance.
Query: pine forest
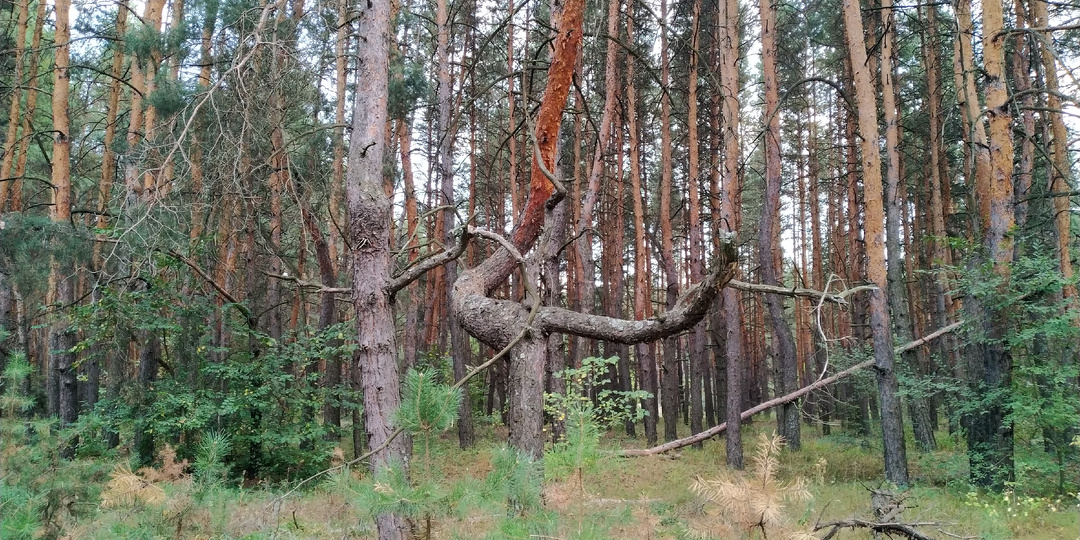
(519, 269)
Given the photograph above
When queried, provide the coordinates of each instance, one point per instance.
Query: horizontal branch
(716, 430)
(836, 298)
(315, 286)
(413, 273)
(688, 311)
(905, 529)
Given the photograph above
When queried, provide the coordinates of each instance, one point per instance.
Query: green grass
(642, 498)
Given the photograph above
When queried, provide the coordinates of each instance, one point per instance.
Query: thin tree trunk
(615, 268)
(730, 217)
(670, 373)
(338, 179)
(26, 127)
(641, 255)
(698, 359)
(1060, 176)
(943, 308)
(8, 157)
(769, 233)
(459, 342)
(585, 265)
(891, 420)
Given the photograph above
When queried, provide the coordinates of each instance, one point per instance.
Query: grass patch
(633, 498)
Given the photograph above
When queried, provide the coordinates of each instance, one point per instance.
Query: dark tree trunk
(327, 317)
(783, 343)
(149, 358)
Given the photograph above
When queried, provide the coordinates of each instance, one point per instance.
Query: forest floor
(639, 498)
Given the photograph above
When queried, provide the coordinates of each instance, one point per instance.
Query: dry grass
(646, 498)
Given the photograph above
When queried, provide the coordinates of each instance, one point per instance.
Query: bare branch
(836, 298)
(716, 430)
(905, 529)
(413, 273)
(315, 286)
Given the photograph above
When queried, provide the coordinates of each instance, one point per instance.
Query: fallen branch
(716, 430)
(906, 529)
(929, 337)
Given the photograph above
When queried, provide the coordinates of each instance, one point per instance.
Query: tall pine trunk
(891, 420)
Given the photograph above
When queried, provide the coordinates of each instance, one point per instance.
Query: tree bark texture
(730, 213)
(368, 229)
(891, 420)
(769, 249)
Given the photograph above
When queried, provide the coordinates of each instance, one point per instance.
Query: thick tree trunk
(990, 433)
(61, 335)
(368, 230)
(891, 420)
(497, 322)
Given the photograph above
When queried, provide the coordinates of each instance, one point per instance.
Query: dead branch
(716, 430)
(315, 286)
(906, 529)
(414, 272)
(222, 292)
(836, 298)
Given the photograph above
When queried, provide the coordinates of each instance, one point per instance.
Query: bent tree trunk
(368, 230)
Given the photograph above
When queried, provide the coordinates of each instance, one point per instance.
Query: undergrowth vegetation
(580, 490)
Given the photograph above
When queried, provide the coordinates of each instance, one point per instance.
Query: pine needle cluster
(757, 500)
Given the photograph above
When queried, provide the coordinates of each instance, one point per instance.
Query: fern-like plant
(757, 499)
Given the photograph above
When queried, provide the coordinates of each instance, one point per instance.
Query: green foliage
(408, 84)
(12, 402)
(168, 97)
(391, 491)
(210, 456)
(427, 406)
(610, 407)
(38, 489)
(1040, 338)
(28, 243)
(260, 392)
